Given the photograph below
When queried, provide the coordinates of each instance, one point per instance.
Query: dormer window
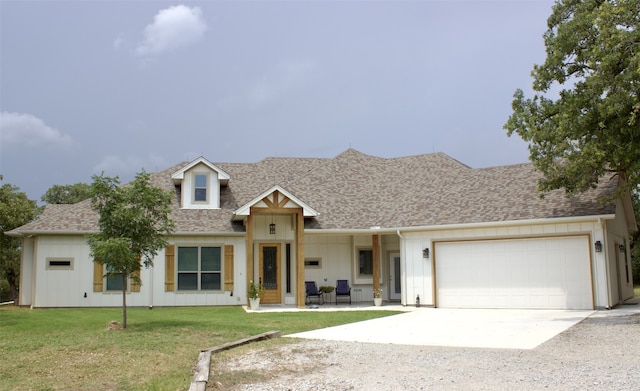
(200, 188)
(199, 183)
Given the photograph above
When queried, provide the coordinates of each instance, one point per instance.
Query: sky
(115, 87)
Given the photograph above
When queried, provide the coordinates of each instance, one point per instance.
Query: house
(424, 227)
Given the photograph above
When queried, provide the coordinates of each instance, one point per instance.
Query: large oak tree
(67, 194)
(583, 121)
(15, 210)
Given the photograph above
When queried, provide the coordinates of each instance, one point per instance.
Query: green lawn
(70, 349)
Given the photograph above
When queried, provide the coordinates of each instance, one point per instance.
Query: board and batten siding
(234, 287)
(67, 287)
(420, 272)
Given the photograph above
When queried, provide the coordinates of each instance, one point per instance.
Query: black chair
(343, 289)
(312, 291)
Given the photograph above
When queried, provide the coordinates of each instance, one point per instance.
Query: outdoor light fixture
(272, 227)
(621, 248)
(598, 245)
(425, 253)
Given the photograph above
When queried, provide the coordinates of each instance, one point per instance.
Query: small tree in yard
(134, 220)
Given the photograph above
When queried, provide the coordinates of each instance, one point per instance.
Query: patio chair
(312, 291)
(343, 289)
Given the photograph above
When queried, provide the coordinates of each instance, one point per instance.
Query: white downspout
(605, 250)
(151, 272)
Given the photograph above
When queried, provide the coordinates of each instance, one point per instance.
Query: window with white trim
(365, 262)
(199, 268)
(200, 188)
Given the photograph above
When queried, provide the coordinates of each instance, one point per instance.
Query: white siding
(419, 272)
(213, 188)
(66, 288)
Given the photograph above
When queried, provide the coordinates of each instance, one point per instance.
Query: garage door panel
(520, 273)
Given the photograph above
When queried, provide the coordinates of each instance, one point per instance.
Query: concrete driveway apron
(477, 328)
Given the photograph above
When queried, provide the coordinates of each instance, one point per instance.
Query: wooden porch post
(300, 289)
(376, 262)
(249, 230)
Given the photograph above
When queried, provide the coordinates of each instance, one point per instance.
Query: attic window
(200, 188)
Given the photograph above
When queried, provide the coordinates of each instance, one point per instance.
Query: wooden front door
(270, 273)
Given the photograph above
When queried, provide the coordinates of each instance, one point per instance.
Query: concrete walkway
(475, 328)
(505, 329)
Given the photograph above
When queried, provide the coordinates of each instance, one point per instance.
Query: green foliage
(592, 128)
(255, 290)
(67, 194)
(15, 210)
(69, 348)
(326, 289)
(133, 221)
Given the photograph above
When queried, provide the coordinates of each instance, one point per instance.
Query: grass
(636, 291)
(70, 349)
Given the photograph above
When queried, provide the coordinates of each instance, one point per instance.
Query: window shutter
(98, 277)
(169, 269)
(228, 268)
(135, 286)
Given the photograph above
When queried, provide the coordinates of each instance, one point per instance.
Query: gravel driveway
(599, 353)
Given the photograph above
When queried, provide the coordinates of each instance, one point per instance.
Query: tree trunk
(12, 279)
(124, 300)
(13, 291)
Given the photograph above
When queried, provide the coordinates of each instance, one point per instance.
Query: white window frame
(196, 187)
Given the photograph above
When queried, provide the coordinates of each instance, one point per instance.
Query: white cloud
(172, 28)
(128, 166)
(284, 77)
(117, 43)
(20, 129)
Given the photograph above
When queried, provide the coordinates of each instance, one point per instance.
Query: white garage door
(524, 273)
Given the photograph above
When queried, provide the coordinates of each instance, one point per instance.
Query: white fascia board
(209, 233)
(179, 175)
(28, 234)
(509, 223)
(246, 208)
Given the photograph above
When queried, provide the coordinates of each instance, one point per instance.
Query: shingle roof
(358, 191)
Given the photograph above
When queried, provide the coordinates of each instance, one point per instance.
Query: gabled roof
(179, 175)
(358, 191)
(246, 208)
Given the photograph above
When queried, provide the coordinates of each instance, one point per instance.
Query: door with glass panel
(395, 289)
(270, 272)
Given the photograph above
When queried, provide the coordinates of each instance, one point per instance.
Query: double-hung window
(199, 268)
(200, 188)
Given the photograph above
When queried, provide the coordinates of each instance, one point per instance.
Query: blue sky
(116, 87)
